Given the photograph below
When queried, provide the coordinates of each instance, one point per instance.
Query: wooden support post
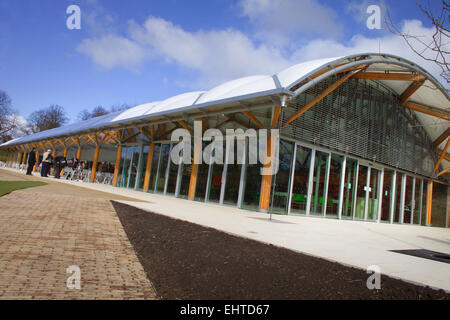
(148, 168)
(24, 158)
(79, 153)
(94, 163)
(65, 152)
(429, 201)
(9, 158)
(37, 160)
(266, 181)
(443, 172)
(443, 153)
(116, 166)
(19, 157)
(194, 171)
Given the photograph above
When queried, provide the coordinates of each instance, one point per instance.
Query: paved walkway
(42, 233)
(353, 243)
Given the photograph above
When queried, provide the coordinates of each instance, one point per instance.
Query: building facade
(363, 137)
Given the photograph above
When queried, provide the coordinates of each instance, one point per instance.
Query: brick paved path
(42, 234)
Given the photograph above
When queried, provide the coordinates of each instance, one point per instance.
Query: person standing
(60, 163)
(46, 163)
(31, 161)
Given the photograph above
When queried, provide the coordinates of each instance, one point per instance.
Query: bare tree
(7, 119)
(48, 118)
(437, 48)
(101, 111)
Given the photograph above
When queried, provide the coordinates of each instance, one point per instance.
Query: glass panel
(143, 168)
(164, 159)
(300, 181)
(417, 207)
(133, 169)
(334, 186)
(387, 194)
(423, 219)
(408, 200)
(319, 180)
(173, 176)
(186, 176)
(372, 206)
(280, 182)
(397, 197)
(119, 182)
(351, 171)
(233, 178)
(361, 192)
(216, 183)
(154, 168)
(125, 168)
(252, 183)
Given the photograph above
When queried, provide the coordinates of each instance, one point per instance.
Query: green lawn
(9, 186)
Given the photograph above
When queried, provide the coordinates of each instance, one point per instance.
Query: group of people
(58, 163)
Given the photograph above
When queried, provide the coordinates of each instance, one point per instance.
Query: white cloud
(113, 51)
(217, 55)
(278, 21)
(222, 55)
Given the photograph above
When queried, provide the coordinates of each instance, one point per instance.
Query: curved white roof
(431, 94)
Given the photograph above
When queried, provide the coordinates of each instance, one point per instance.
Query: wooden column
(24, 158)
(9, 159)
(37, 160)
(18, 157)
(429, 201)
(94, 164)
(193, 180)
(116, 166)
(148, 168)
(79, 153)
(266, 181)
(65, 152)
(53, 155)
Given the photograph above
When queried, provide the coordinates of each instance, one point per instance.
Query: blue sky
(139, 51)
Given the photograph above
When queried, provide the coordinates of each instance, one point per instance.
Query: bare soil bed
(188, 261)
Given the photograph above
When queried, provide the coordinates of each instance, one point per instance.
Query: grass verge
(9, 186)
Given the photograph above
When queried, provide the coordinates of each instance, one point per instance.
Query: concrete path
(42, 233)
(353, 243)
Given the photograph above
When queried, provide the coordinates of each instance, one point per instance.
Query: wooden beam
(318, 98)
(441, 138)
(393, 76)
(145, 134)
(185, 126)
(411, 90)
(117, 164)
(429, 201)
(79, 153)
(253, 118)
(94, 163)
(148, 168)
(194, 171)
(431, 111)
(37, 160)
(446, 156)
(131, 135)
(443, 153)
(152, 131)
(443, 172)
(276, 116)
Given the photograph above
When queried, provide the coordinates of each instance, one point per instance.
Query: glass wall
(162, 168)
(334, 187)
(281, 181)
(216, 182)
(372, 190)
(351, 172)
(387, 194)
(319, 183)
(300, 180)
(154, 167)
(172, 176)
(142, 168)
(252, 181)
(233, 177)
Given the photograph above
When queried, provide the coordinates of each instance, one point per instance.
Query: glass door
(319, 186)
(367, 193)
(351, 174)
(300, 179)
